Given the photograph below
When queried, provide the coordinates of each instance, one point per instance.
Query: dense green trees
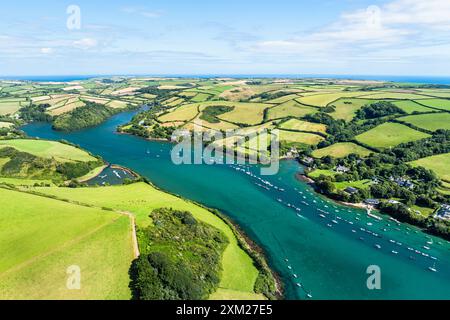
(87, 116)
(210, 113)
(35, 113)
(25, 165)
(180, 258)
(377, 110)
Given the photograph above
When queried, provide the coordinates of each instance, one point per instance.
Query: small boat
(433, 268)
(289, 267)
(299, 285)
(309, 295)
(394, 252)
(295, 276)
(335, 222)
(329, 225)
(426, 248)
(377, 246)
(322, 215)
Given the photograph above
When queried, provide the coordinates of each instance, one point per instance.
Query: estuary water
(319, 248)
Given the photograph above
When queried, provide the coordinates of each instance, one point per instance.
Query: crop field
(322, 100)
(201, 97)
(440, 164)
(10, 106)
(183, 113)
(67, 107)
(341, 150)
(346, 108)
(411, 106)
(300, 137)
(394, 95)
(299, 125)
(239, 274)
(247, 113)
(49, 149)
(46, 236)
(284, 99)
(442, 104)
(290, 109)
(431, 122)
(390, 135)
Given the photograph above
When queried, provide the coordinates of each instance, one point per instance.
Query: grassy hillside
(49, 149)
(239, 273)
(440, 164)
(341, 150)
(390, 135)
(44, 237)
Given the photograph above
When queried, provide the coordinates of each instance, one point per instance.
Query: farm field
(239, 274)
(9, 107)
(299, 125)
(394, 96)
(183, 113)
(442, 104)
(322, 100)
(247, 113)
(46, 236)
(290, 109)
(341, 150)
(411, 106)
(300, 137)
(440, 164)
(49, 149)
(431, 122)
(390, 135)
(346, 108)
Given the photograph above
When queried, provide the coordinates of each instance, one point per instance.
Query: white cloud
(401, 30)
(85, 43)
(46, 50)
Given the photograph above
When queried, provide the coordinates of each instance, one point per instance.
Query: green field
(9, 107)
(290, 109)
(346, 108)
(361, 184)
(246, 113)
(394, 95)
(341, 150)
(183, 113)
(300, 137)
(239, 273)
(299, 125)
(440, 164)
(410, 106)
(44, 237)
(431, 122)
(317, 173)
(390, 135)
(49, 149)
(442, 104)
(322, 100)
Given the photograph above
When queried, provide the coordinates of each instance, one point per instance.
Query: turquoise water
(110, 176)
(330, 260)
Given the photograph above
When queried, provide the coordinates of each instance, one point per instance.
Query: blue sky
(390, 37)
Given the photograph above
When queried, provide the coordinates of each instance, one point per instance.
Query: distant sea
(407, 79)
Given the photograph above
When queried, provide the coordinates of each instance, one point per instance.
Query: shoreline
(255, 252)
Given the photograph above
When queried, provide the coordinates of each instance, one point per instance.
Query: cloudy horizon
(393, 37)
